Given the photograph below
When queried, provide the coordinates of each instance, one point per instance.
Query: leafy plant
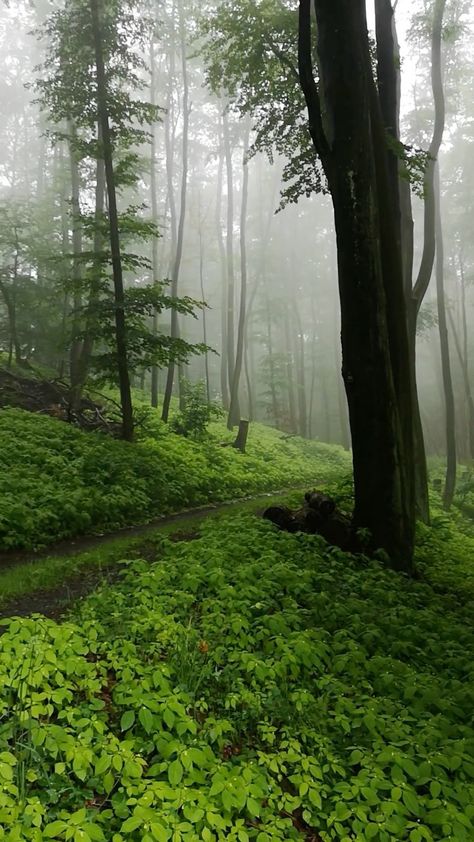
(197, 413)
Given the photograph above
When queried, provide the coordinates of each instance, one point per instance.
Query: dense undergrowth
(249, 685)
(57, 482)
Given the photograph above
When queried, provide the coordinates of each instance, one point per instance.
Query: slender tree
(119, 297)
(182, 211)
(451, 461)
(234, 413)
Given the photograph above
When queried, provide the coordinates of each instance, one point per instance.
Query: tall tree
(239, 354)
(119, 296)
(450, 415)
(182, 210)
(348, 135)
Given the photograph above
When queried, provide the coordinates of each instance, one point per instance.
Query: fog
(210, 173)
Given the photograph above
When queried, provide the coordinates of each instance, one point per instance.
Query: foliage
(249, 685)
(197, 413)
(251, 56)
(57, 481)
(145, 348)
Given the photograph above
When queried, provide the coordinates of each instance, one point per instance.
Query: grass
(248, 685)
(57, 482)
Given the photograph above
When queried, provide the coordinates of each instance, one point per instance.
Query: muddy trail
(56, 602)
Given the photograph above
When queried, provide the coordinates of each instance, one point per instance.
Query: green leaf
(371, 831)
(127, 720)
(102, 764)
(146, 720)
(54, 829)
(253, 807)
(435, 789)
(411, 802)
(131, 824)
(175, 772)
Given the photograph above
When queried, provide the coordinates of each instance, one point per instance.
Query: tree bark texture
(348, 133)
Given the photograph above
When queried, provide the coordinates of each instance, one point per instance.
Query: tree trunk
(300, 374)
(77, 257)
(120, 322)
(349, 135)
(230, 258)
(87, 345)
(290, 373)
(234, 410)
(240, 442)
(182, 213)
(204, 315)
(224, 379)
(154, 214)
(450, 480)
(388, 79)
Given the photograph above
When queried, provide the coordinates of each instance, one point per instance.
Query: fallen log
(318, 516)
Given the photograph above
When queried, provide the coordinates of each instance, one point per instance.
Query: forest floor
(229, 681)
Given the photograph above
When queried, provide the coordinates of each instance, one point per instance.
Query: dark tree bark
(348, 133)
(234, 410)
(182, 214)
(450, 479)
(120, 322)
(388, 81)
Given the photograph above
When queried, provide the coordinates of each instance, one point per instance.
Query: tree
(348, 135)
(90, 96)
(177, 257)
(234, 411)
(119, 298)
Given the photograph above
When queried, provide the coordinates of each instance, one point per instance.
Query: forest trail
(54, 602)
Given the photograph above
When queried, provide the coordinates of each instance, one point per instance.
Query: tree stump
(240, 442)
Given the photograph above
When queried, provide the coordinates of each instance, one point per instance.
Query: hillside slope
(57, 481)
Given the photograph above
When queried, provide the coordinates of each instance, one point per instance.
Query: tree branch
(307, 81)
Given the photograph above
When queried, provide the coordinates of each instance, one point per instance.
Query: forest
(236, 420)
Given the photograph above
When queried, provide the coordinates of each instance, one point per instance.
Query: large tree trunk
(450, 479)
(182, 212)
(349, 135)
(120, 322)
(234, 411)
(388, 80)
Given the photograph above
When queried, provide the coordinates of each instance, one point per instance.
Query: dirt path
(54, 602)
(73, 546)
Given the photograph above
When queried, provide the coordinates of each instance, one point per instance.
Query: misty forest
(236, 420)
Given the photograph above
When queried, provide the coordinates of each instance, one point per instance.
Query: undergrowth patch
(248, 685)
(57, 481)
